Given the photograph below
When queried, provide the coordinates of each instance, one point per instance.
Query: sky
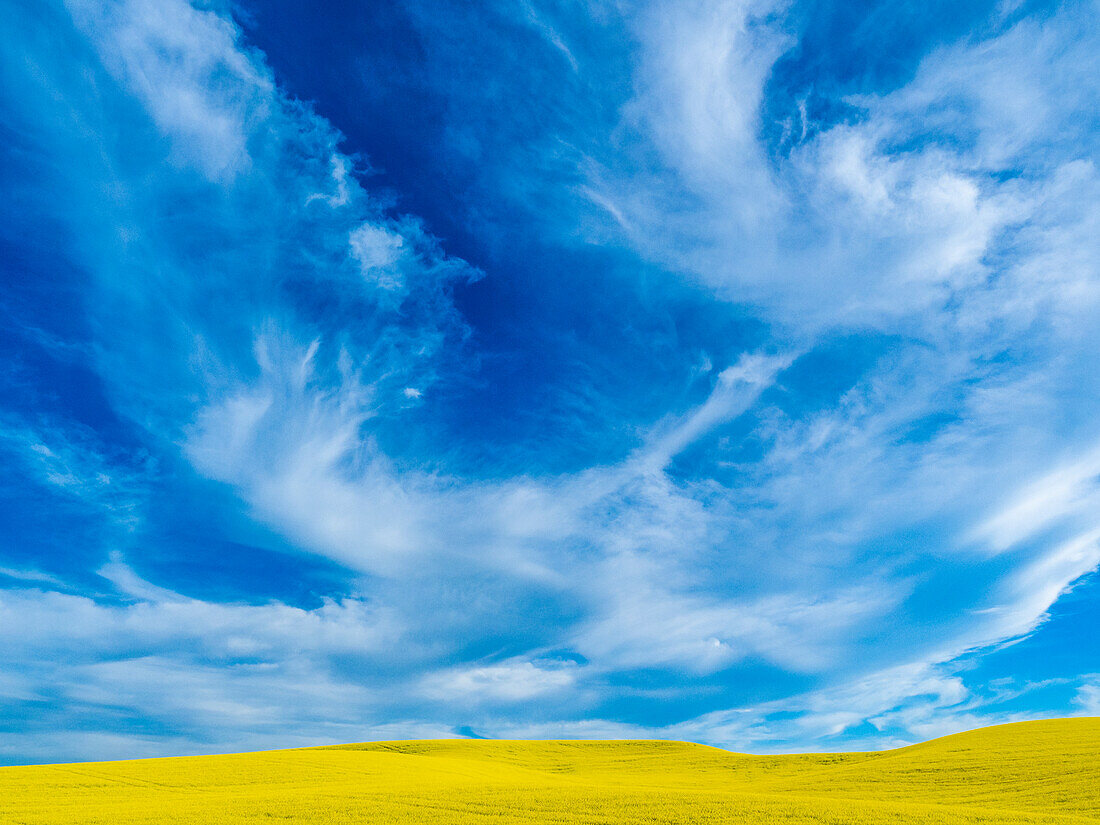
(712, 370)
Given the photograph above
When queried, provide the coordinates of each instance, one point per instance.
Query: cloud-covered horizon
(681, 370)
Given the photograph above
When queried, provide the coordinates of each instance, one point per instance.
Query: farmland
(1030, 772)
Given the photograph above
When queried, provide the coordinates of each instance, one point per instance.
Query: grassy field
(1034, 772)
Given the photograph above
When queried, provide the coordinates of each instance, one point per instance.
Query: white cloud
(72, 463)
(1088, 698)
(1071, 489)
(1032, 590)
(735, 391)
(187, 68)
(515, 680)
(219, 676)
(378, 251)
(646, 620)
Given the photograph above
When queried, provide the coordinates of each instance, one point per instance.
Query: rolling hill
(1029, 772)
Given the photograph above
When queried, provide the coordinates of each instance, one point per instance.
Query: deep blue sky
(703, 370)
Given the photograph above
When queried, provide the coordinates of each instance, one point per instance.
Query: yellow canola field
(1030, 772)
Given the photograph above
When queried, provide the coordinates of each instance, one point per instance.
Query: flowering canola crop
(1030, 772)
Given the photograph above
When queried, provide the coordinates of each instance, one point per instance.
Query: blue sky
(722, 371)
